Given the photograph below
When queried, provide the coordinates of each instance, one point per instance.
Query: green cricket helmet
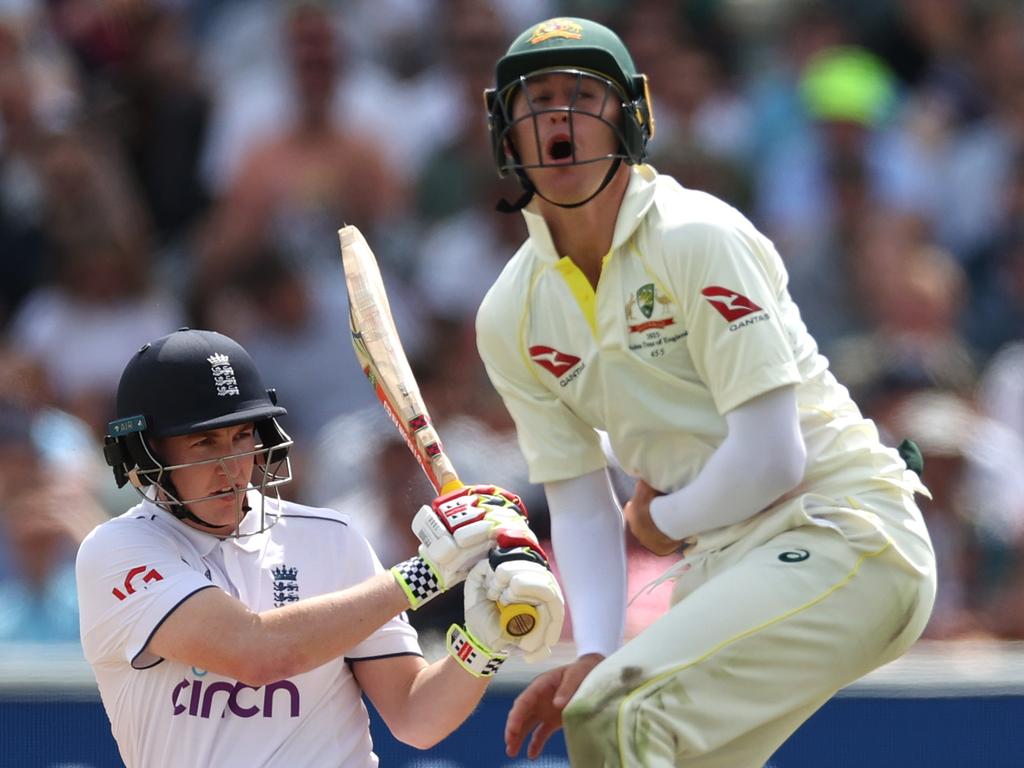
(575, 46)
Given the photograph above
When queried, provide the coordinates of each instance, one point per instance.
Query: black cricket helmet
(186, 382)
(578, 47)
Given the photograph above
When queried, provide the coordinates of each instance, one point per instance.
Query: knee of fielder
(627, 731)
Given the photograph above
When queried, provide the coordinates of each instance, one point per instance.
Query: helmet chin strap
(530, 190)
(182, 512)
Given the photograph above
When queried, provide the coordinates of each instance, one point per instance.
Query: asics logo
(730, 304)
(794, 556)
(553, 361)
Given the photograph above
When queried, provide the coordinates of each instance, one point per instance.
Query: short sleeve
(556, 443)
(730, 280)
(129, 580)
(394, 637)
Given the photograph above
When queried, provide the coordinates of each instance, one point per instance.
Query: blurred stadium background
(177, 162)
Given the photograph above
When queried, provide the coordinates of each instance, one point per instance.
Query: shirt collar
(205, 542)
(635, 203)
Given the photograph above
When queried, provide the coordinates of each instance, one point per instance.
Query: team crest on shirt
(651, 321)
(645, 299)
(286, 584)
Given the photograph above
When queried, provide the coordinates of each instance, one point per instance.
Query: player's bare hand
(638, 517)
(537, 711)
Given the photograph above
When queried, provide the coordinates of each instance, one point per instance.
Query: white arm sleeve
(587, 535)
(762, 457)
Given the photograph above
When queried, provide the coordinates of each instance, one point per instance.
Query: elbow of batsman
(263, 663)
(417, 738)
(258, 672)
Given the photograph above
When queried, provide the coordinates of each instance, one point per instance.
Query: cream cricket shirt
(134, 570)
(691, 318)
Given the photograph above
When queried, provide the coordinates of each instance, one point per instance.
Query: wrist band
(471, 654)
(417, 580)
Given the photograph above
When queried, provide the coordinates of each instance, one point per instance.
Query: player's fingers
(570, 683)
(528, 710)
(540, 737)
(515, 729)
(571, 680)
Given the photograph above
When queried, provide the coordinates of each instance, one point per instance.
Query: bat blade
(379, 351)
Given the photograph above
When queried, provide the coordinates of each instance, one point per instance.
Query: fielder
(660, 315)
(227, 627)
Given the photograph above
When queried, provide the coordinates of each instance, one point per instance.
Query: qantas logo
(558, 363)
(730, 305)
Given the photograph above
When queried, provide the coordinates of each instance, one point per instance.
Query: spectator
(83, 327)
(1001, 390)
(975, 514)
(35, 97)
(295, 188)
(911, 294)
(44, 515)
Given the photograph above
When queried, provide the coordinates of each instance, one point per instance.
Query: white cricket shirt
(690, 318)
(134, 570)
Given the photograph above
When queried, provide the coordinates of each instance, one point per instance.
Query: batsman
(660, 315)
(227, 626)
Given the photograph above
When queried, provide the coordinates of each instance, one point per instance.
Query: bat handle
(451, 485)
(517, 619)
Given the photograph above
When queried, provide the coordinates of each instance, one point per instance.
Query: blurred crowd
(166, 163)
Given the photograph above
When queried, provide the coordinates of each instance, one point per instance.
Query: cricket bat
(380, 354)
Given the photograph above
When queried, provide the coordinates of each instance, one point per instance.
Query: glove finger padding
(451, 552)
(514, 581)
(456, 530)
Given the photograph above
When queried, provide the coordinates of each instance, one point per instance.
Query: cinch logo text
(195, 699)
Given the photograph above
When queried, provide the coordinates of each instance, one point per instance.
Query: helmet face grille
(575, 46)
(271, 469)
(512, 160)
(633, 129)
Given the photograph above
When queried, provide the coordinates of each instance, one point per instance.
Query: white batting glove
(472, 655)
(514, 577)
(457, 530)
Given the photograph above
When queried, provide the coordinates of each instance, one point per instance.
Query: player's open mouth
(559, 149)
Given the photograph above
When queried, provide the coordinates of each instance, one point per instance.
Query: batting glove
(514, 576)
(457, 530)
(473, 656)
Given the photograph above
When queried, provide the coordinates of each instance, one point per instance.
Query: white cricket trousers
(759, 636)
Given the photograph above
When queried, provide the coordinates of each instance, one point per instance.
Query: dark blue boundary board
(849, 732)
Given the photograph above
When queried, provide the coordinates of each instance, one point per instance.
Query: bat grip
(517, 619)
